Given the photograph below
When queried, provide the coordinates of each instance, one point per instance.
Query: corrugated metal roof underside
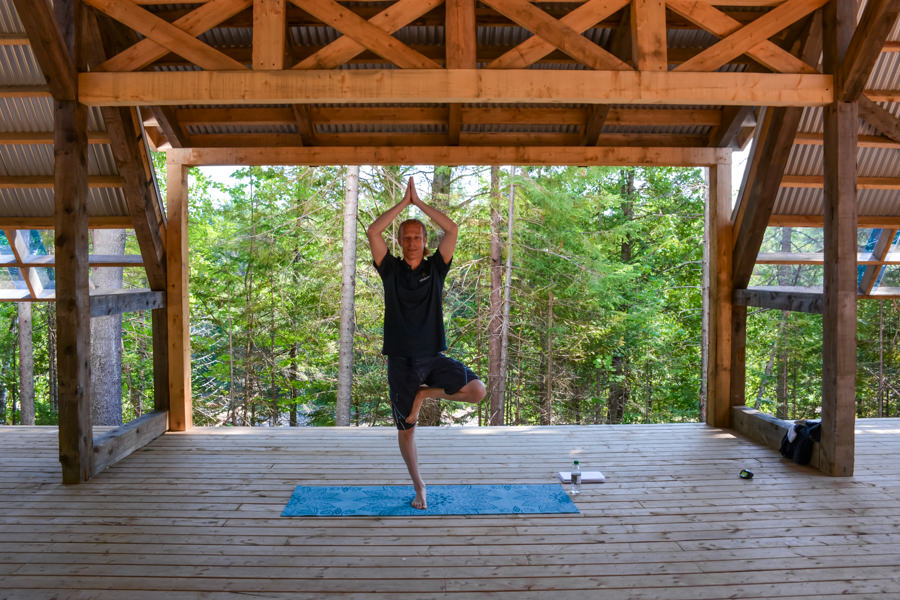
(38, 202)
(811, 201)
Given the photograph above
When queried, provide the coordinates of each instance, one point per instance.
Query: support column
(840, 283)
(177, 308)
(718, 235)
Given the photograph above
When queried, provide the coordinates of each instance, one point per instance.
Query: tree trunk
(273, 363)
(495, 324)
(548, 388)
(293, 384)
(618, 393)
(348, 291)
(618, 389)
(249, 409)
(106, 335)
(880, 358)
(51, 356)
(26, 365)
(507, 291)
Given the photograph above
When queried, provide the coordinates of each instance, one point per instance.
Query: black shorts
(406, 375)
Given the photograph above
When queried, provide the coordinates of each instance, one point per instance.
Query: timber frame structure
(814, 83)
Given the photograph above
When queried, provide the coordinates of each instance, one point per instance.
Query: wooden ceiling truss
(591, 82)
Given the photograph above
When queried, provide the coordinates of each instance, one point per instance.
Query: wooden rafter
(461, 53)
(798, 299)
(862, 141)
(145, 52)
(598, 115)
(366, 34)
(535, 48)
(862, 183)
(648, 24)
(441, 86)
(746, 39)
(727, 133)
(389, 20)
(304, 120)
(27, 138)
(879, 118)
(24, 182)
(865, 47)
(557, 33)
(790, 220)
(48, 46)
(269, 34)
(167, 121)
(880, 253)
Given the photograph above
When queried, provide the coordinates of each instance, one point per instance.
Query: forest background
(604, 270)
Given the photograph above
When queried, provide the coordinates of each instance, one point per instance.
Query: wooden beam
(862, 141)
(879, 118)
(797, 299)
(461, 85)
(167, 120)
(597, 115)
(24, 91)
(115, 222)
(94, 260)
(141, 193)
(177, 296)
(865, 47)
(708, 17)
(461, 45)
(305, 123)
(27, 138)
(25, 182)
(535, 48)
(883, 95)
(269, 34)
(748, 37)
(452, 155)
(718, 236)
(49, 47)
(165, 34)
(557, 34)
(738, 354)
(813, 258)
(366, 34)
(648, 23)
(879, 253)
(726, 135)
(116, 302)
(344, 48)
(841, 125)
(862, 183)
(876, 221)
(160, 330)
(72, 279)
(113, 446)
(194, 23)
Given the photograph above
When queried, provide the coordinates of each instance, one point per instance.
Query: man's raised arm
(376, 241)
(451, 229)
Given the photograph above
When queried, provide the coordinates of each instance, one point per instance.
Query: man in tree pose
(414, 325)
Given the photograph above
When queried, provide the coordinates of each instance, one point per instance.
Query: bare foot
(420, 501)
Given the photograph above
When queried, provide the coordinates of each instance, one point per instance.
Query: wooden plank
(177, 296)
(648, 23)
(869, 37)
(344, 48)
(141, 193)
(113, 446)
(705, 15)
(442, 86)
(557, 34)
(49, 47)
(862, 141)
(876, 221)
(535, 48)
(269, 34)
(798, 299)
(194, 23)
(879, 118)
(450, 155)
(366, 34)
(24, 182)
(116, 302)
(114, 222)
(72, 283)
(170, 37)
(879, 253)
(718, 236)
(26, 138)
(862, 183)
(748, 37)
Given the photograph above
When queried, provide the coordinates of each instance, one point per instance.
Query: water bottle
(576, 478)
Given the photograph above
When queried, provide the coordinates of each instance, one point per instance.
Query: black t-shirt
(413, 312)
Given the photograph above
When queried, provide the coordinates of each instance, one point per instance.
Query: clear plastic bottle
(576, 478)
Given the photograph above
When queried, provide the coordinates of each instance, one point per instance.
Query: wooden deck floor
(196, 515)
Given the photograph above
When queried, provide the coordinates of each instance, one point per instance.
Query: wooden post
(73, 307)
(738, 354)
(718, 364)
(160, 359)
(840, 281)
(177, 309)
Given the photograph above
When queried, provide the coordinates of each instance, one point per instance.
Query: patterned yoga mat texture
(393, 500)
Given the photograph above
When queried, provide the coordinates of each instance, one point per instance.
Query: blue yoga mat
(393, 500)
